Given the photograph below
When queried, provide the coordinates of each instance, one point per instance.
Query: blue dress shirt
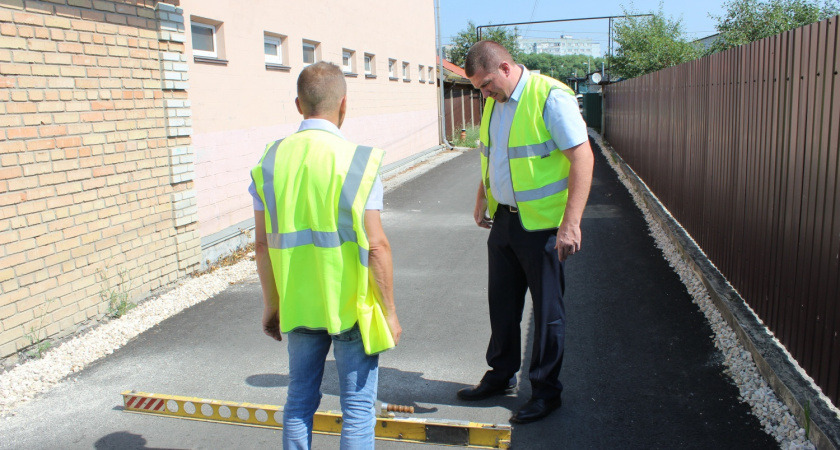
(562, 119)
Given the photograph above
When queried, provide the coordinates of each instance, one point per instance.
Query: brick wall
(96, 164)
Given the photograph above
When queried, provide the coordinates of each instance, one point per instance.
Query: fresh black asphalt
(640, 370)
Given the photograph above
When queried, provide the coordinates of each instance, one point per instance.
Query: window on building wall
(370, 66)
(348, 62)
(272, 49)
(392, 69)
(204, 40)
(207, 36)
(421, 74)
(406, 71)
(310, 52)
(276, 51)
(431, 75)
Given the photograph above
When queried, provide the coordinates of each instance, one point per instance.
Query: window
(348, 61)
(420, 73)
(273, 48)
(392, 69)
(370, 66)
(310, 52)
(431, 75)
(208, 40)
(276, 51)
(204, 40)
(406, 71)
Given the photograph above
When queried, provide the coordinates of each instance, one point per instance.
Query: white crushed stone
(774, 416)
(24, 381)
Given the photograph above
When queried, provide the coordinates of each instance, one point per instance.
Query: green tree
(746, 21)
(462, 42)
(650, 43)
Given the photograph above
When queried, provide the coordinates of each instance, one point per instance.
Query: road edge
(773, 362)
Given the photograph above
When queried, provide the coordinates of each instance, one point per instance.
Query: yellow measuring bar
(407, 429)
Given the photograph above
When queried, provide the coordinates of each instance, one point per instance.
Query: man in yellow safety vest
(324, 261)
(536, 165)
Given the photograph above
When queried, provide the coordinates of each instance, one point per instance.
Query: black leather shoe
(483, 390)
(536, 409)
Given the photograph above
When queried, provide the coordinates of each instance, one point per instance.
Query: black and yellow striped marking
(407, 429)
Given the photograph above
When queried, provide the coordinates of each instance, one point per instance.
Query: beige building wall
(239, 104)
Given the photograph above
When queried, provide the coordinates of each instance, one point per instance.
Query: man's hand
(382, 269)
(480, 211)
(580, 180)
(394, 326)
(271, 323)
(568, 240)
(271, 300)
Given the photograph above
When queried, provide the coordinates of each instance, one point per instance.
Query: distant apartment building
(707, 41)
(564, 45)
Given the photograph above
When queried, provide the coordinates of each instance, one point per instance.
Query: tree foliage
(462, 42)
(650, 43)
(561, 66)
(746, 21)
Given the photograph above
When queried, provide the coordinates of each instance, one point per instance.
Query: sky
(455, 14)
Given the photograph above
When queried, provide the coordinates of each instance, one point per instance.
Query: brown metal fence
(463, 106)
(742, 148)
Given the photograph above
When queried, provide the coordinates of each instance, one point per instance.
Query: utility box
(592, 110)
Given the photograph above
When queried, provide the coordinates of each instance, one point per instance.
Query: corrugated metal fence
(742, 148)
(463, 106)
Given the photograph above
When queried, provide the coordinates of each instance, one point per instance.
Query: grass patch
(471, 140)
(38, 345)
(116, 296)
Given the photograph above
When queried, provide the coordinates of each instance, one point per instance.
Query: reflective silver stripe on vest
(325, 239)
(484, 150)
(543, 192)
(268, 181)
(363, 256)
(350, 189)
(527, 151)
(345, 232)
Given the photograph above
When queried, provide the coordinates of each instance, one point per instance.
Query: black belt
(510, 209)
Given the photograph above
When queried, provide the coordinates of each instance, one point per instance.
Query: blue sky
(454, 15)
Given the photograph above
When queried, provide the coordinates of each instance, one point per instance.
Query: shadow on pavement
(124, 440)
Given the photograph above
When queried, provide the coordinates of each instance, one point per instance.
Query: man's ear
(297, 104)
(342, 110)
(504, 67)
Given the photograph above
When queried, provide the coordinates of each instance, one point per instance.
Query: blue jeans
(358, 376)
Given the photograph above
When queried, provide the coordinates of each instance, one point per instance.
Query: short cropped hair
(485, 56)
(320, 88)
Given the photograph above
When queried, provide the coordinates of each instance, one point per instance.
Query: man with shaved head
(319, 242)
(536, 166)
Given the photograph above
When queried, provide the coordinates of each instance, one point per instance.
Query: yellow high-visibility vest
(539, 171)
(315, 186)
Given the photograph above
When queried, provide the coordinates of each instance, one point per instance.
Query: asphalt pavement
(640, 369)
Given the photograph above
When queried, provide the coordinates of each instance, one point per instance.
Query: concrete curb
(405, 163)
(784, 378)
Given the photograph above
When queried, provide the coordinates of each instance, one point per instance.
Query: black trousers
(520, 260)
